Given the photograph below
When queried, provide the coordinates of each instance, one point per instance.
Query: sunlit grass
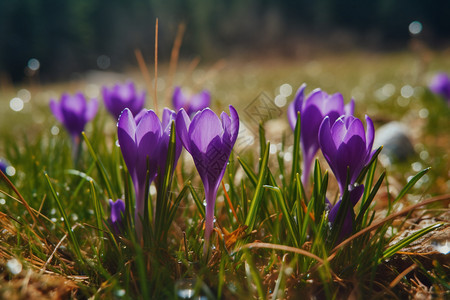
(272, 235)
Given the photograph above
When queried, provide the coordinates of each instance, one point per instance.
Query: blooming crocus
(115, 219)
(74, 112)
(209, 140)
(440, 84)
(142, 141)
(313, 110)
(347, 147)
(191, 104)
(121, 96)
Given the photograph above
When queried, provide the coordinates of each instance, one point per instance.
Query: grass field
(56, 240)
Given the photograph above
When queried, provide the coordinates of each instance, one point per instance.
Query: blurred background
(58, 39)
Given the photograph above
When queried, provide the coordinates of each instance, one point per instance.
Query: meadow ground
(386, 86)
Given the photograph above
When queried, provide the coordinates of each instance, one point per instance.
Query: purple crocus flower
(74, 112)
(115, 219)
(209, 140)
(121, 96)
(142, 141)
(313, 110)
(191, 104)
(347, 147)
(3, 165)
(440, 84)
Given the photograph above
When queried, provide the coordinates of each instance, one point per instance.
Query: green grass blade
(259, 191)
(366, 204)
(286, 213)
(408, 240)
(251, 175)
(410, 184)
(72, 237)
(366, 168)
(198, 202)
(101, 168)
(295, 155)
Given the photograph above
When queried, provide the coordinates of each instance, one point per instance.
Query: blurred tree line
(68, 36)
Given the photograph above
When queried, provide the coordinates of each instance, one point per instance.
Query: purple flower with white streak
(313, 110)
(121, 96)
(440, 84)
(209, 140)
(347, 147)
(74, 112)
(144, 141)
(191, 104)
(117, 210)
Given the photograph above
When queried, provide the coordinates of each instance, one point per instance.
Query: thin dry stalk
(155, 91)
(174, 56)
(144, 70)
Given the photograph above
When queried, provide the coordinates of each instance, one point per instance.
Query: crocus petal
(296, 106)
(234, 129)
(91, 109)
(178, 99)
(370, 133)
(326, 140)
(349, 108)
(204, 128)
(56, 110)
(354, 128)
(200, 101)
(182, 125)
(126, 133)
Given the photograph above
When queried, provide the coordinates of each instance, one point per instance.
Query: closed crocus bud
(346, 146)
(209, 140)
(313, 109)
(139, 144)
(117, 210)
(74, 112)
(440, 84)
(190, 103)
(121, 96)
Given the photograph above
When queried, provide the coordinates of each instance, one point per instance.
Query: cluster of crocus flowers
(312, 110)
(209, 140)
(74, 111)
(191, 104)
(144, 142)
(347, 148)
(121, 96)
(440, 84)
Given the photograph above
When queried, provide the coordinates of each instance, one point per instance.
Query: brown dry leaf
(32, 286)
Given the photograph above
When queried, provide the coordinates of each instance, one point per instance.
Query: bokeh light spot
(415, 27)
(103, 62)
(16, 104)
(33, 64)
